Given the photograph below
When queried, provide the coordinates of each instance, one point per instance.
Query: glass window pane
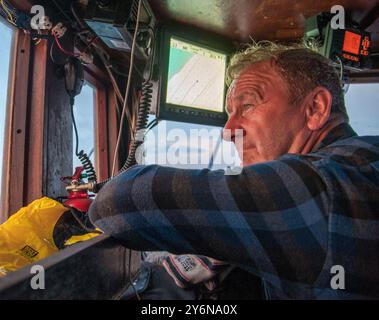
(188, 146)
(6, 34)
(84, 115)
(362, 107)
(166, 147)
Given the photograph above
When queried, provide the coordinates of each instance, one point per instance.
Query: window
(172, 144)
(188, 146)
(362, 108)
(84, 116)
(6, 35)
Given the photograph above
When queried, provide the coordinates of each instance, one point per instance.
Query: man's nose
(230, 129)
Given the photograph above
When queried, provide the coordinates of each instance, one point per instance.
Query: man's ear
(318, 107)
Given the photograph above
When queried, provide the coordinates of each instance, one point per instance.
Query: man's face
(258, 102)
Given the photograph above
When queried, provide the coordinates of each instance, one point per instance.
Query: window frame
(15, 124)
(103, 112)
(4, 167)
(25, 142)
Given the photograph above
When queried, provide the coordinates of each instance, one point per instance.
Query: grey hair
(300, 65)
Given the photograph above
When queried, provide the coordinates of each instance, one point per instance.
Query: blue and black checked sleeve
(271, 218)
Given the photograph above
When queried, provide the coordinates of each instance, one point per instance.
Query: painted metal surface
(258, 19)
(95, 269)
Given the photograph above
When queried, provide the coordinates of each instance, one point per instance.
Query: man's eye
(247, 107)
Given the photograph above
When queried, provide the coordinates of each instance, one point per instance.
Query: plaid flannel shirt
(289, 221)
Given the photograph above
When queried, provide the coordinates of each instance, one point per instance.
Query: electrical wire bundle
(144, 106)
(142, 117)
(8, 13)
(64, 51)
(18, 19)
(142, 114)
(89, 41)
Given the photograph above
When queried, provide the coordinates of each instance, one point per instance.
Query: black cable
(88, 166)
(152, 124)
(62, 11)
(75, 128)
(81, 224)
(82, 156)
(74, 13)
(52, 47)
(143, 114)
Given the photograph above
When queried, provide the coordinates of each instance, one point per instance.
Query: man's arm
(270, 218)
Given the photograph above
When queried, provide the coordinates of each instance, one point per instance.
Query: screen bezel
(184, 113)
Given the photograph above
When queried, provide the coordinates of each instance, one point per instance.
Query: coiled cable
(82, 156)
(142, 119)
(88, 166)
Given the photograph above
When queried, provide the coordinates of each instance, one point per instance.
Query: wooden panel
(101, 127)
(105, 120)
(37, 138)
(40, 146)
(96, 75)
(48, 149)
(15, 132)
(113, 125)
(245, 19)
(58, 130)
(36, 119)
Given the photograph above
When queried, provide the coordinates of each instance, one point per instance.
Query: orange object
(352, 42)
(350, 57)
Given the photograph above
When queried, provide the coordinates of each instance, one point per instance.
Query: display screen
(352, 42)
(196, 76)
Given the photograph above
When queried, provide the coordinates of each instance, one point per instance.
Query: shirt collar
(340, 132)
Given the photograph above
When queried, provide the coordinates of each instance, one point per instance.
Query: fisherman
(305, 202)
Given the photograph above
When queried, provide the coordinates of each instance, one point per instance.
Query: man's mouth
(248, 148)
(246, 152)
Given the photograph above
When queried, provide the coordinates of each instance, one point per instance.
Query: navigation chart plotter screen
(193, 87)
(196, 77)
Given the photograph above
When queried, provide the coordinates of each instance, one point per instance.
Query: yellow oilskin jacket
(37, 231)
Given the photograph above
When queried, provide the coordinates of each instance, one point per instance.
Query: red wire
(72, 54)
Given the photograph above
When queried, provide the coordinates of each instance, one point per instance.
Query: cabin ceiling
(241, 20)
